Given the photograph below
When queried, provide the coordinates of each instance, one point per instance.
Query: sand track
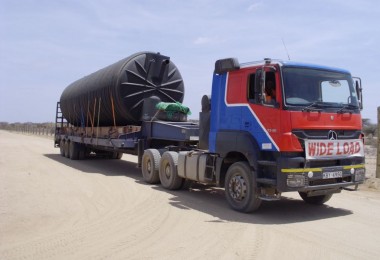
(55, 208)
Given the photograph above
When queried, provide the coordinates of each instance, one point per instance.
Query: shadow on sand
(210, 200)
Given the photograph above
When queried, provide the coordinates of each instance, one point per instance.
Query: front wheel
(240, 191)
(316, 200)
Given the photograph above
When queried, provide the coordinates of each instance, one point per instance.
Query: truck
(268, 127)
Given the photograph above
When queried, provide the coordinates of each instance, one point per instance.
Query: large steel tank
(115, 95)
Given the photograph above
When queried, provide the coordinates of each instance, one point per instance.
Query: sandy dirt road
(54, 208)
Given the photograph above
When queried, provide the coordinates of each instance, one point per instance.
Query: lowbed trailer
(268, 127)
(77, 143)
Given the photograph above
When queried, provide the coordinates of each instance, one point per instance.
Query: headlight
(295, 180)
(359, 175)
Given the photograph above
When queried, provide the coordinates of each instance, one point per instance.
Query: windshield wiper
(347, 108)
(312, 107)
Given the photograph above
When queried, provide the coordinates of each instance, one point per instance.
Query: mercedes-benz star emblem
(332, 135)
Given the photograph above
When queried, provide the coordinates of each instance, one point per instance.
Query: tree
(369, 129)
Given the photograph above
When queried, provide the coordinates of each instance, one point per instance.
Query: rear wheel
(67, 149)
(62, 147)
(82, 152)
(241, 193)
(168, 171)
(108, 155)
(74, 150)
(316, 200)
(116, 155)
(150, 166)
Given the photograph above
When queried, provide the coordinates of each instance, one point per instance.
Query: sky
(47, 44)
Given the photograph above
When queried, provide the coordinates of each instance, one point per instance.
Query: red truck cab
(306, 137)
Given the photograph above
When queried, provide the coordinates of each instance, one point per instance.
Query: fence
(32, 129)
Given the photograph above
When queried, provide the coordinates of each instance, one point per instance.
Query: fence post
(378, 144)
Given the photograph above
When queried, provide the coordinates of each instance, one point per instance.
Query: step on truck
(268, 127)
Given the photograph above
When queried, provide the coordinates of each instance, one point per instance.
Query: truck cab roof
(231, 64)
(312, 66)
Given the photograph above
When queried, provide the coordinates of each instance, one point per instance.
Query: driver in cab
(270, 93)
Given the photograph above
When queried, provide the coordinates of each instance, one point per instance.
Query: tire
(240, 190)
(150, 166)
(116, 155)
(187, 184)
(62, 147)
(74, 150)
(108, 155)
(119, 156)
(67, 149)
(82, 152)
(168, 171)
(315, 200)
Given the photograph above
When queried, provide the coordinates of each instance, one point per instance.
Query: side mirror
(359, 91)
(260, 86)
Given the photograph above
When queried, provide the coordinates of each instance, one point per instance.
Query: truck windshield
(317, 89)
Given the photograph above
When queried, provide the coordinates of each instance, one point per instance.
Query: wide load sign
(330, 149)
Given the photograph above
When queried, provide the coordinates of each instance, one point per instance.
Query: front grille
(322, 134)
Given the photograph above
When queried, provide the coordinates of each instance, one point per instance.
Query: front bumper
(320, 178)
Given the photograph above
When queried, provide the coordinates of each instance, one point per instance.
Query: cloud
(51, 43)
(202, 40)
(254, 6)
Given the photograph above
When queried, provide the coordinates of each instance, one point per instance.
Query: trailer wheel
(240, 190)
(316, 200)
(150, 166)
(62, 147)
(168, 171)
(116, 155)
(82, 152)
(67, 149)
(74, 150)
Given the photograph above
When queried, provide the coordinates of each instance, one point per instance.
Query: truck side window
(251, 88)
(254, 91)
(270, 89)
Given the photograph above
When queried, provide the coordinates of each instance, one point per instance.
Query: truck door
(263, 95)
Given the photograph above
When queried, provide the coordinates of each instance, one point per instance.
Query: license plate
(331, 175)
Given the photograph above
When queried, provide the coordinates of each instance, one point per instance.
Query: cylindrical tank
(115, 94)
